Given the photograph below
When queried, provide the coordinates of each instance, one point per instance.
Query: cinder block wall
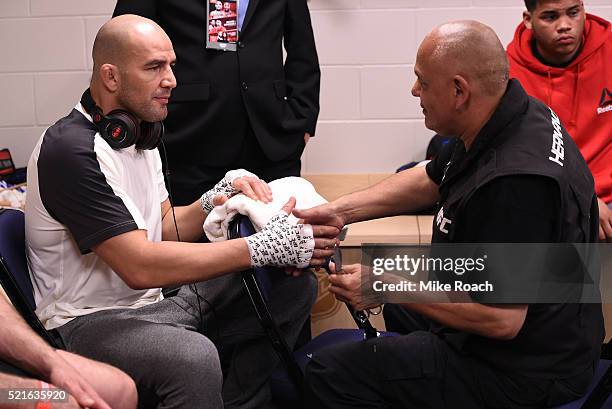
(369, 122)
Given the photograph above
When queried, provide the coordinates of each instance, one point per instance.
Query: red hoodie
(580, 94)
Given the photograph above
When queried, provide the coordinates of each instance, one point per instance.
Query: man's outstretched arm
(401, 193)
(503, 321)
(142, 263)
(92, 384)
(188, 220)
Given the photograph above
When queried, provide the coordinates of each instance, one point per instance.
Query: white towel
(260, 213)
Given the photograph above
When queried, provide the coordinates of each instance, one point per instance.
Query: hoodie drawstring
(575, 101)
(551, 85)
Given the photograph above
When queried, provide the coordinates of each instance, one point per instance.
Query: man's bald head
(133, 60)
(120, 35)
(470, 49)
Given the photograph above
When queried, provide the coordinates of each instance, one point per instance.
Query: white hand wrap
(224, 187)
(282, 244)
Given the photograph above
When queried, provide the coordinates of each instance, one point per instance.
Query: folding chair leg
(272, 331)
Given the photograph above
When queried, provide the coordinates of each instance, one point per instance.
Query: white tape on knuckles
(224, 187)
(282, 244)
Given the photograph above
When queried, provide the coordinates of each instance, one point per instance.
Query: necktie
(242, 9)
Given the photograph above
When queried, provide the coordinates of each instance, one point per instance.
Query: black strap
(21, 305)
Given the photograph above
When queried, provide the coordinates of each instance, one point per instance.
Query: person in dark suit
(243, 109)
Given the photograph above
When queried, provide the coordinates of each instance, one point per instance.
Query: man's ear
(462, 92)
(109, 76)
(527, 19)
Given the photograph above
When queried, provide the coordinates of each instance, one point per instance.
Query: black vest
(524, 137)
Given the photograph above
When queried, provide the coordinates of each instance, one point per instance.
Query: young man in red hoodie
(563, 56)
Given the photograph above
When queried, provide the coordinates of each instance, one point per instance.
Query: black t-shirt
(536, 54)
(512, 209)
(439, 164)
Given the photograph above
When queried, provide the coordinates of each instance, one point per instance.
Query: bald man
(514, 176)
(102, 240)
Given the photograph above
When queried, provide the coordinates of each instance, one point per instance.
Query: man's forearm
(189, 222)
(12, 382)
(147, 264)
(21, 346)
(491, 321)
(401, 193)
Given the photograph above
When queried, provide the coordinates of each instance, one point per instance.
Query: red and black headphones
(121, 129)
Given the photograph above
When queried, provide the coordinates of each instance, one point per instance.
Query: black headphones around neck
(120, 129)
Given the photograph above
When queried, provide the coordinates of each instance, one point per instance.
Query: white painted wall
(369, 122)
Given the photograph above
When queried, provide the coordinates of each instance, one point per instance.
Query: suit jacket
(220, 94)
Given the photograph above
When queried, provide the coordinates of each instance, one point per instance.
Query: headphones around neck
(120, 129)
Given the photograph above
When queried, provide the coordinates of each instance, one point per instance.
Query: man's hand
(605, 221)
(326, 224)
(324, 215)
(325, 240)
(283, 244)
(65, 376)
(347, 287)
(253, 187)
(324, 237)
(234, 182)
(306, 138)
